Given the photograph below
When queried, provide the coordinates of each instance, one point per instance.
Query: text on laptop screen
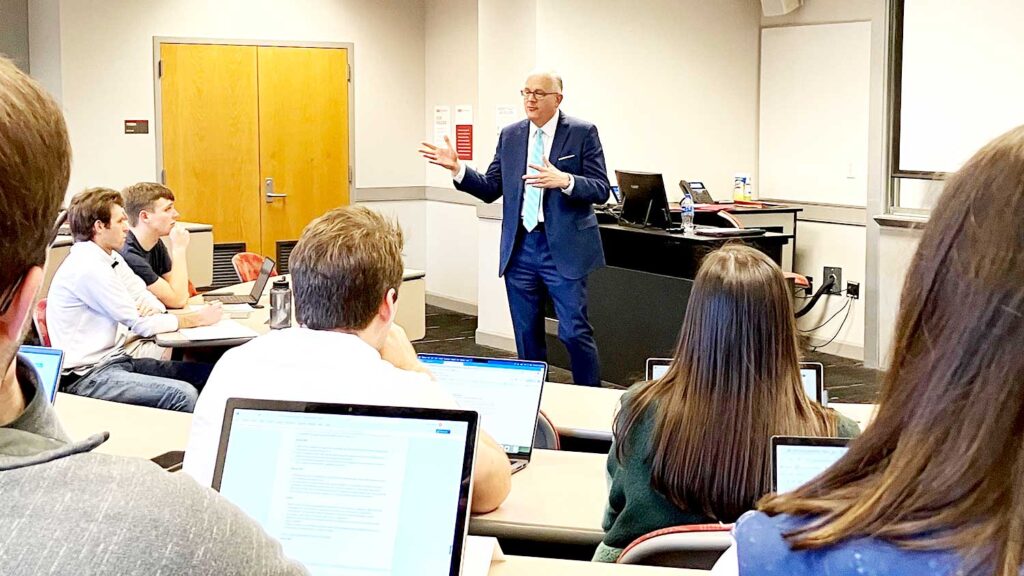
(797, 465)
(349, 494)
(506, 394)
(47, 362)
(810, 380)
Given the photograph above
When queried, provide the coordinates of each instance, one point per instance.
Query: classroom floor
(450, 332)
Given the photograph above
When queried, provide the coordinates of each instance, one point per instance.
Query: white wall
(452, 251)
(896, 250)
(106, 51)
(820, 245)
(44, 45)
(411, 216)
(670, 84)
(494, 321)
(14, 32)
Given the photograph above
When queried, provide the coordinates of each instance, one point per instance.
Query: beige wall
(14, 31)
(106, 69)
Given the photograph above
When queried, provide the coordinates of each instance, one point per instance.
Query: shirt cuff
(462, 173)
(572, 184)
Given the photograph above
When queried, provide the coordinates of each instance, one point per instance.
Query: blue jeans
(145, 382)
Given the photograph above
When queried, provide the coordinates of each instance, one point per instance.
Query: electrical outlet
(826, 275)
(809, 291)
(853, 290)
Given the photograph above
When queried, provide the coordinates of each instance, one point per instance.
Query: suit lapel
(561, 134)
(519, 157)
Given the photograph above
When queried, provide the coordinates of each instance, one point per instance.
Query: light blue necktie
(531, 201)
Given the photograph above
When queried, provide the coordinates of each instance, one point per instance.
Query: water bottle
(687, 206)
(280, 305)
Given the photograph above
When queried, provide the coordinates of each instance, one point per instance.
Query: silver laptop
(47, 362)
(657, 367)
(251, 298)
(812, 374)
(796, 460)
(352, 490)
(506, 393)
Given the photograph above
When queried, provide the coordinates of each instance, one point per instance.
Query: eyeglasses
(537, 94)
(7, 296)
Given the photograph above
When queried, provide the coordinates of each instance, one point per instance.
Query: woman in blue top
(935, 485)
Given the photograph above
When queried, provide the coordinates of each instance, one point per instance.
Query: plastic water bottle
(687, 206)
(280, 305)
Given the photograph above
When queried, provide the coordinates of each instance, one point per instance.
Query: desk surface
(771, 237)
(559, 497)
(585, 412)
(528, 566)
(256, 319)
(134, 430)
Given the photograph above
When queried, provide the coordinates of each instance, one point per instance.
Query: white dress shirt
(549, 137)
(92, 304)
(300, 364)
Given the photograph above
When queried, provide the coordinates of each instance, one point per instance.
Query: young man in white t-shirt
(346, 270)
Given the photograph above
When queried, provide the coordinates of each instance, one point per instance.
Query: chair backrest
(192, 289)
(39, 319)
(546, 436)
(697, 546)
(247, 266)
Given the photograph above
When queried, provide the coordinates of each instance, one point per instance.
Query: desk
(134, 430)
(411, 312)
(528, 566)
(560, 497)
(584, 412)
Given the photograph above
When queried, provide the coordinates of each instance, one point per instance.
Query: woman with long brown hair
(693, 446)
(936, 483)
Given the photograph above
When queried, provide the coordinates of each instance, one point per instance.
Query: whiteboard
(813, 124)
(962, 82)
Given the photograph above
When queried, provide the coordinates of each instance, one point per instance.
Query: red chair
(192, 288)
(247, 266)
(39, 319)
(697, 546)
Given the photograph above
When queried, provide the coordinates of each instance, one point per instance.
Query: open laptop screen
(352, 490)
(47, 362)
(796, 460)
(811, 375)
(506, 394)
(657, 367)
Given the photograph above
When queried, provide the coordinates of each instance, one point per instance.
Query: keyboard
(229, 298)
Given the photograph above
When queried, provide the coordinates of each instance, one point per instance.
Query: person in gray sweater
(63, 508)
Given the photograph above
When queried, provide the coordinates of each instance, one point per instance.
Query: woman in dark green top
(693, 447)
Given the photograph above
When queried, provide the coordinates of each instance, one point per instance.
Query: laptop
(48, 363)
(505, 392)
(352, 490)
(657, 367)
(797, 459)
(257, 288)
(812, 374)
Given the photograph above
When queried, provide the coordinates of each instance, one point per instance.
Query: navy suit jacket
(569, 220)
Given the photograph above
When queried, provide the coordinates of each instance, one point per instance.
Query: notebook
(506, 393)
(48, 363)
(352, 490)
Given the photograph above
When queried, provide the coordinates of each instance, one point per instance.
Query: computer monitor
(505, 392)
(47, 362)
(644, 202)
(812, 376)
(797, 459)
(352, 490)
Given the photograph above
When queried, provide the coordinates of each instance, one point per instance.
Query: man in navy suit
(550, 169)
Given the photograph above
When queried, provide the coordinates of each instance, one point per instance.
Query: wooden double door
(255, 139)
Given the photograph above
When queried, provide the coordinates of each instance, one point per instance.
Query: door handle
(268, 190)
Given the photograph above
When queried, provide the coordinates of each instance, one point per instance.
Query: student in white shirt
(346, 270)
(94, 296)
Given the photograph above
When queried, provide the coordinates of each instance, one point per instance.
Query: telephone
(697, 191)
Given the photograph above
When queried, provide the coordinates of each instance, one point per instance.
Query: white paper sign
(442, 124)
(504, 115)
(463, 114)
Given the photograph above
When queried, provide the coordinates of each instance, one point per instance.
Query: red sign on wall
(464, 141)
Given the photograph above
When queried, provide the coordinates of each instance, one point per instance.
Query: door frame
(158, 100)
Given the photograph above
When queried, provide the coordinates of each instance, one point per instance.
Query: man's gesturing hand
(547, 176)
(445, 157)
